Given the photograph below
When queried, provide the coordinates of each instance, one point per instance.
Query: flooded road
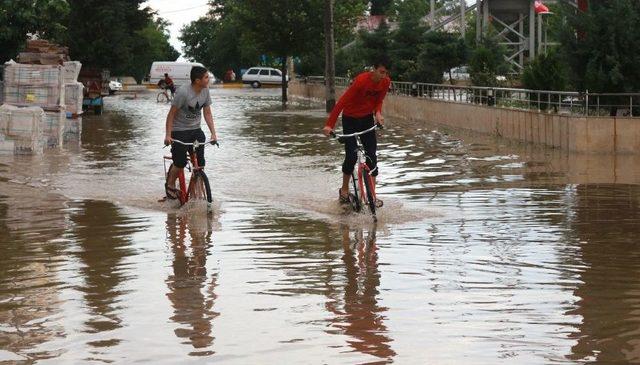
(486, 252)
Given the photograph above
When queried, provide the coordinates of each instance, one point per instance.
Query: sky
(179, 13)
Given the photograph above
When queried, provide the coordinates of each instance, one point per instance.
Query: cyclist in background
(169, 85)
(183, 123)
(361, 107)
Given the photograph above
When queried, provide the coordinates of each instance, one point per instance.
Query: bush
(487, 61)
(546, 72)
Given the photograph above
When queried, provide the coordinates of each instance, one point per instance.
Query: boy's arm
(208, 117)
(169, 125)
(378, 109)
(348, 96)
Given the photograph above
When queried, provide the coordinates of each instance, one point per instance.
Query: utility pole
(463, 18)
(432, 13)
(330, 62)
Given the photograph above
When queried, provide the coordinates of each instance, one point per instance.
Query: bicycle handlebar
(344, 136)
(197, 144)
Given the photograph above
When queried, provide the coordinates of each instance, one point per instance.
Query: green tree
(18, 18)
(106, 34)
(406, 40)
(380, 7)
(218, 42)
(546, 72)
(152, 45)
(375, 45)
(486, 62)
(439, 52)
(280, 29)
(601, 46)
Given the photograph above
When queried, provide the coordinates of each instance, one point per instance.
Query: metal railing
(556, 102)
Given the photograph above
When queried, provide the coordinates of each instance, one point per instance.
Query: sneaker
(379, 203)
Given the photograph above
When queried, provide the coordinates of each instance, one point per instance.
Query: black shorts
(369, 142)
(179, 151)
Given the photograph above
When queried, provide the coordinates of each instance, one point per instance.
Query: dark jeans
(179, 151)
(369, 141)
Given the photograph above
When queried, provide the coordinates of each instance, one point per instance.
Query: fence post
(587, 102)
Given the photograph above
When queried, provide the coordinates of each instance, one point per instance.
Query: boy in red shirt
(361, 107)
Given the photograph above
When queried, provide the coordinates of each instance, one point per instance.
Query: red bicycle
(361, 178)
(199, 188)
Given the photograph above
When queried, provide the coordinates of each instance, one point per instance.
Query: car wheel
(255, 84)
(111, 92)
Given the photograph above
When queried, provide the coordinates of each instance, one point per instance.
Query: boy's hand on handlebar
(327, 131)
(379, 118)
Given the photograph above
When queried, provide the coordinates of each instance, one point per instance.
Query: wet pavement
(486, 251)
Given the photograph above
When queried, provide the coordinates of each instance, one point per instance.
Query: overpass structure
(519, 24)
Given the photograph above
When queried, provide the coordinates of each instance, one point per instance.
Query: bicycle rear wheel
(162, 97)
(368, 193)
(199, 188)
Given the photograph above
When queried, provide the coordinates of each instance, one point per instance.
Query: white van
(180, 72)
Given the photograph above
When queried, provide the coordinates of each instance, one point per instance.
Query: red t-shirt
(362, 98)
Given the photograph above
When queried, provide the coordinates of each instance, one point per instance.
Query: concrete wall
(573, 133)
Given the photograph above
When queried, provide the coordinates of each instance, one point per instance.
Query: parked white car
(114, 85)
(257, 76)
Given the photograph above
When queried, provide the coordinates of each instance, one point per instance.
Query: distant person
(169, 85)
(361, 107)
(183, 123)
(233, 76)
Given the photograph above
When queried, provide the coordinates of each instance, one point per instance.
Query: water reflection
(609, 296)
(191, 290)
(103, 236)
(29, 286)
(109, 138)
(358, 313)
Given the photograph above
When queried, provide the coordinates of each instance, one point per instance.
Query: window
(253, 71)
(264, 72)
(276, 73)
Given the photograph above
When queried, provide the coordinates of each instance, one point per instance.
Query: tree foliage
(486, 62)
(546, 72)
(18, 18)
(116, 35)
(439, 52)
(234, 34)
(601, 46)
(154, 40)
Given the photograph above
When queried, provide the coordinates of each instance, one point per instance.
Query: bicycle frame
(361, 168)
(192, 165)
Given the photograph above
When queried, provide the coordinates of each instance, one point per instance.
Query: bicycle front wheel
(367, 183)
(162, 98)
(199, 188)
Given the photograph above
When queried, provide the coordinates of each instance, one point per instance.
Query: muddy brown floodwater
(486, 251)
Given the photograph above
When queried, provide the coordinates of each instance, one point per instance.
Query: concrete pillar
(539, 36)
(532, 31)
(485, 16)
